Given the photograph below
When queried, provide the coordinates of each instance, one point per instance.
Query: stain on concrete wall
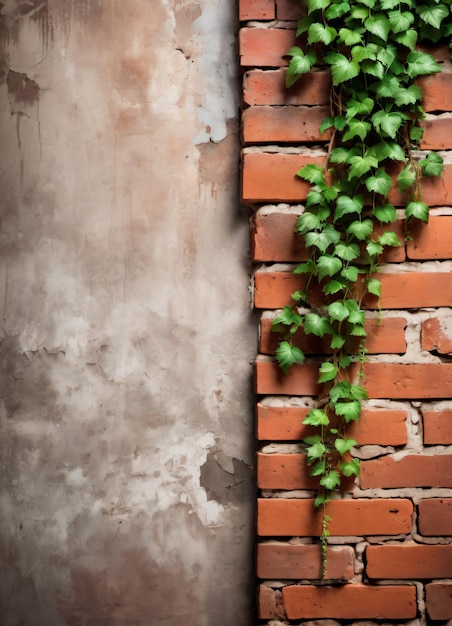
(126, 341)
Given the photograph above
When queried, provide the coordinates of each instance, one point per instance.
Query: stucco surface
(126, 340)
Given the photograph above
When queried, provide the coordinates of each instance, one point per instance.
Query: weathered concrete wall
(126, 341)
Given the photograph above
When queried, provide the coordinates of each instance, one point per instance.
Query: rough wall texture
(390, 553)
(126, 343)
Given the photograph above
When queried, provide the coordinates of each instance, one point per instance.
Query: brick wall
(390, 553)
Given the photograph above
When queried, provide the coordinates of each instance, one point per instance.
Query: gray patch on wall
(226, 480)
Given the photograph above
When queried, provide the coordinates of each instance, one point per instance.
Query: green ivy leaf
(328, 371)
(350, 468)
(374, 68)
(337, 342)
(387, 123)
(416, 133)
(306, 222)
(337, 10)
(340, 155)
(350, 273)
(319, 33)
(331, 480)
(315, 324)
(387, 150)
(315, 451)
(319, 468)
(358, 330)
(349, 410)
(433, 165)
(347, 252)
(344, 445)
(316, 417)
(407, 39)
(361, 165)
(287, 355)
(380, 182)
(346, 205)
(341, 68)
(400, 20)
(385, 213)
(304, 24)
(306, 268)
(337, 311)
(360, 230)
(374, 248)
(420, 64)
(300, 64)
(323, 239)
(359, 13)
(322, 498)
(350, 37)
(334, 286)
(433, 15)
(317, 5)
(357, 106)
(345, 361)
(356, 128)
(378, 24)
(312, 173)
(328, 265)
(389, 238)
(287, 317)
(418, 210)
(406, 178)
(374, 286)
(358, 392)
(356, 315)
(387, 86)
(406, 96)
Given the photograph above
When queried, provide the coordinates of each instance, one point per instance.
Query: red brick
(297, 124)
(437, 335)
(266, 602)
(414, 470)
(435, 517)
(437, 90)
(289, 10)
(437, 427)
(278, 517)
(276, 561)
(409, 561)
(270, 603)
(257, 10)
(270, 177)
(398, 381)
(350, 602)
(413, 381)
(383, 427)
(265, 176)
(284, 471)
(410, 290)
(385, 337)
(268, 87)
(438, 597)
(432, 240)
(266, 124)
(265, 47)
(274, 239)
(301, 380)
(438, 132)
(289, 472)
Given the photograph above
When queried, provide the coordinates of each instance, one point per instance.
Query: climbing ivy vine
(373, 51)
